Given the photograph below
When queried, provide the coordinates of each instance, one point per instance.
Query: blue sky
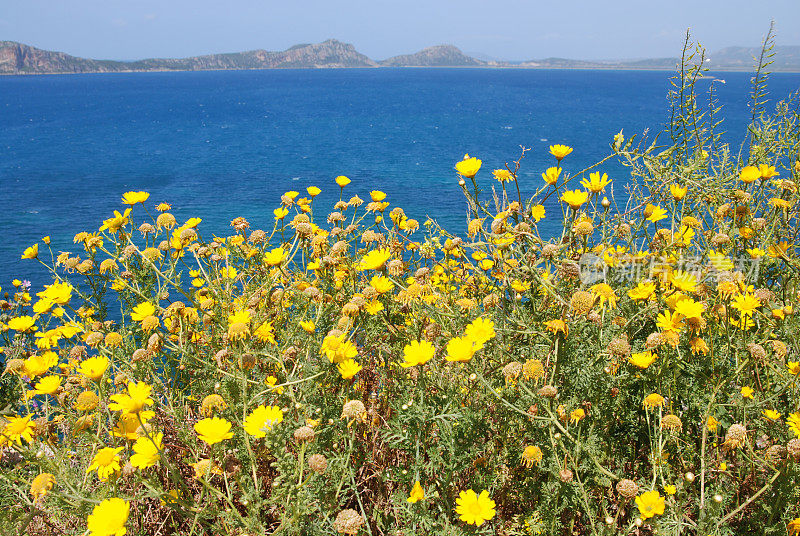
(506, 29)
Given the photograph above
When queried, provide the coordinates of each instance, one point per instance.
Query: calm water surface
(225, 144)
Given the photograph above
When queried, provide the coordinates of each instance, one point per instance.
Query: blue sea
(224, 144)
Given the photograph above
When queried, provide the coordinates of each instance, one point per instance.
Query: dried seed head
(775, 454)
(569, 270)
(627, 488)
(793, 449)
(348, 522)
(757, 352)
(512, 371)
(623, 230)
(140, 354)
(353, 409)
(303, 434)
(318, 463)
(550, 250)
(257, 237)
(491, 300)
(779, 348)
(671, 422)
(735, 437)
(620, 347)
(548, 391)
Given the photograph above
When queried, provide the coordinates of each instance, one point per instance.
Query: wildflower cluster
(341, 371)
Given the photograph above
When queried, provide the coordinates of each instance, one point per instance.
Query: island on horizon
(17, 58)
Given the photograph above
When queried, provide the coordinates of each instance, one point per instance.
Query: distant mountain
(438, 56)
(787, 58)
(17, 58)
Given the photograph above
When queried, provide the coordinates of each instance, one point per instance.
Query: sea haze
(224, 144)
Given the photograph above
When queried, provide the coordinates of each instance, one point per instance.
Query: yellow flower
(204, 467)
(596, 182)
(683, 281)
(228, 272)
(381, 284)
(38, 364)
(275, 257)
(280, 213)
(654, 400)
(313, 191)
(108, 518)
(746, 303)
(794, 527)
(337, 349)
(531, 455)
(551, 175)
(106, 462)
(604, 293)
(265, 332)
(131, 198)
(575, 198)
(137, 398)
(417, 493)
(47, 385)
(712, 424)
(577, 415)
(342, 181)
(417, 353)
(377, 196)
(643, 291)
(142, 311)
(556, 325)
(503, 175)
(461, 349)
(238, 324)
(779, 250)
(22, 324)
(767, 171)
(654, 213)
(147, 451)
(375, 259)
(689, 308)
(261, 419)
(348, 368)
(793, 367)
(117, 222)
(17, 429)
(650, 503)
(474, 509)
(749, 173)
(308, 326)
(213, 430)
(42, 484)
(794, 423)
(469, 166)
(678, 192)
(560, 151)
(669, 321)
(771, 414)
(537, 212)
(94, 367)
(642, 359)
(31, 252)
(480, 330)
(747, 392)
